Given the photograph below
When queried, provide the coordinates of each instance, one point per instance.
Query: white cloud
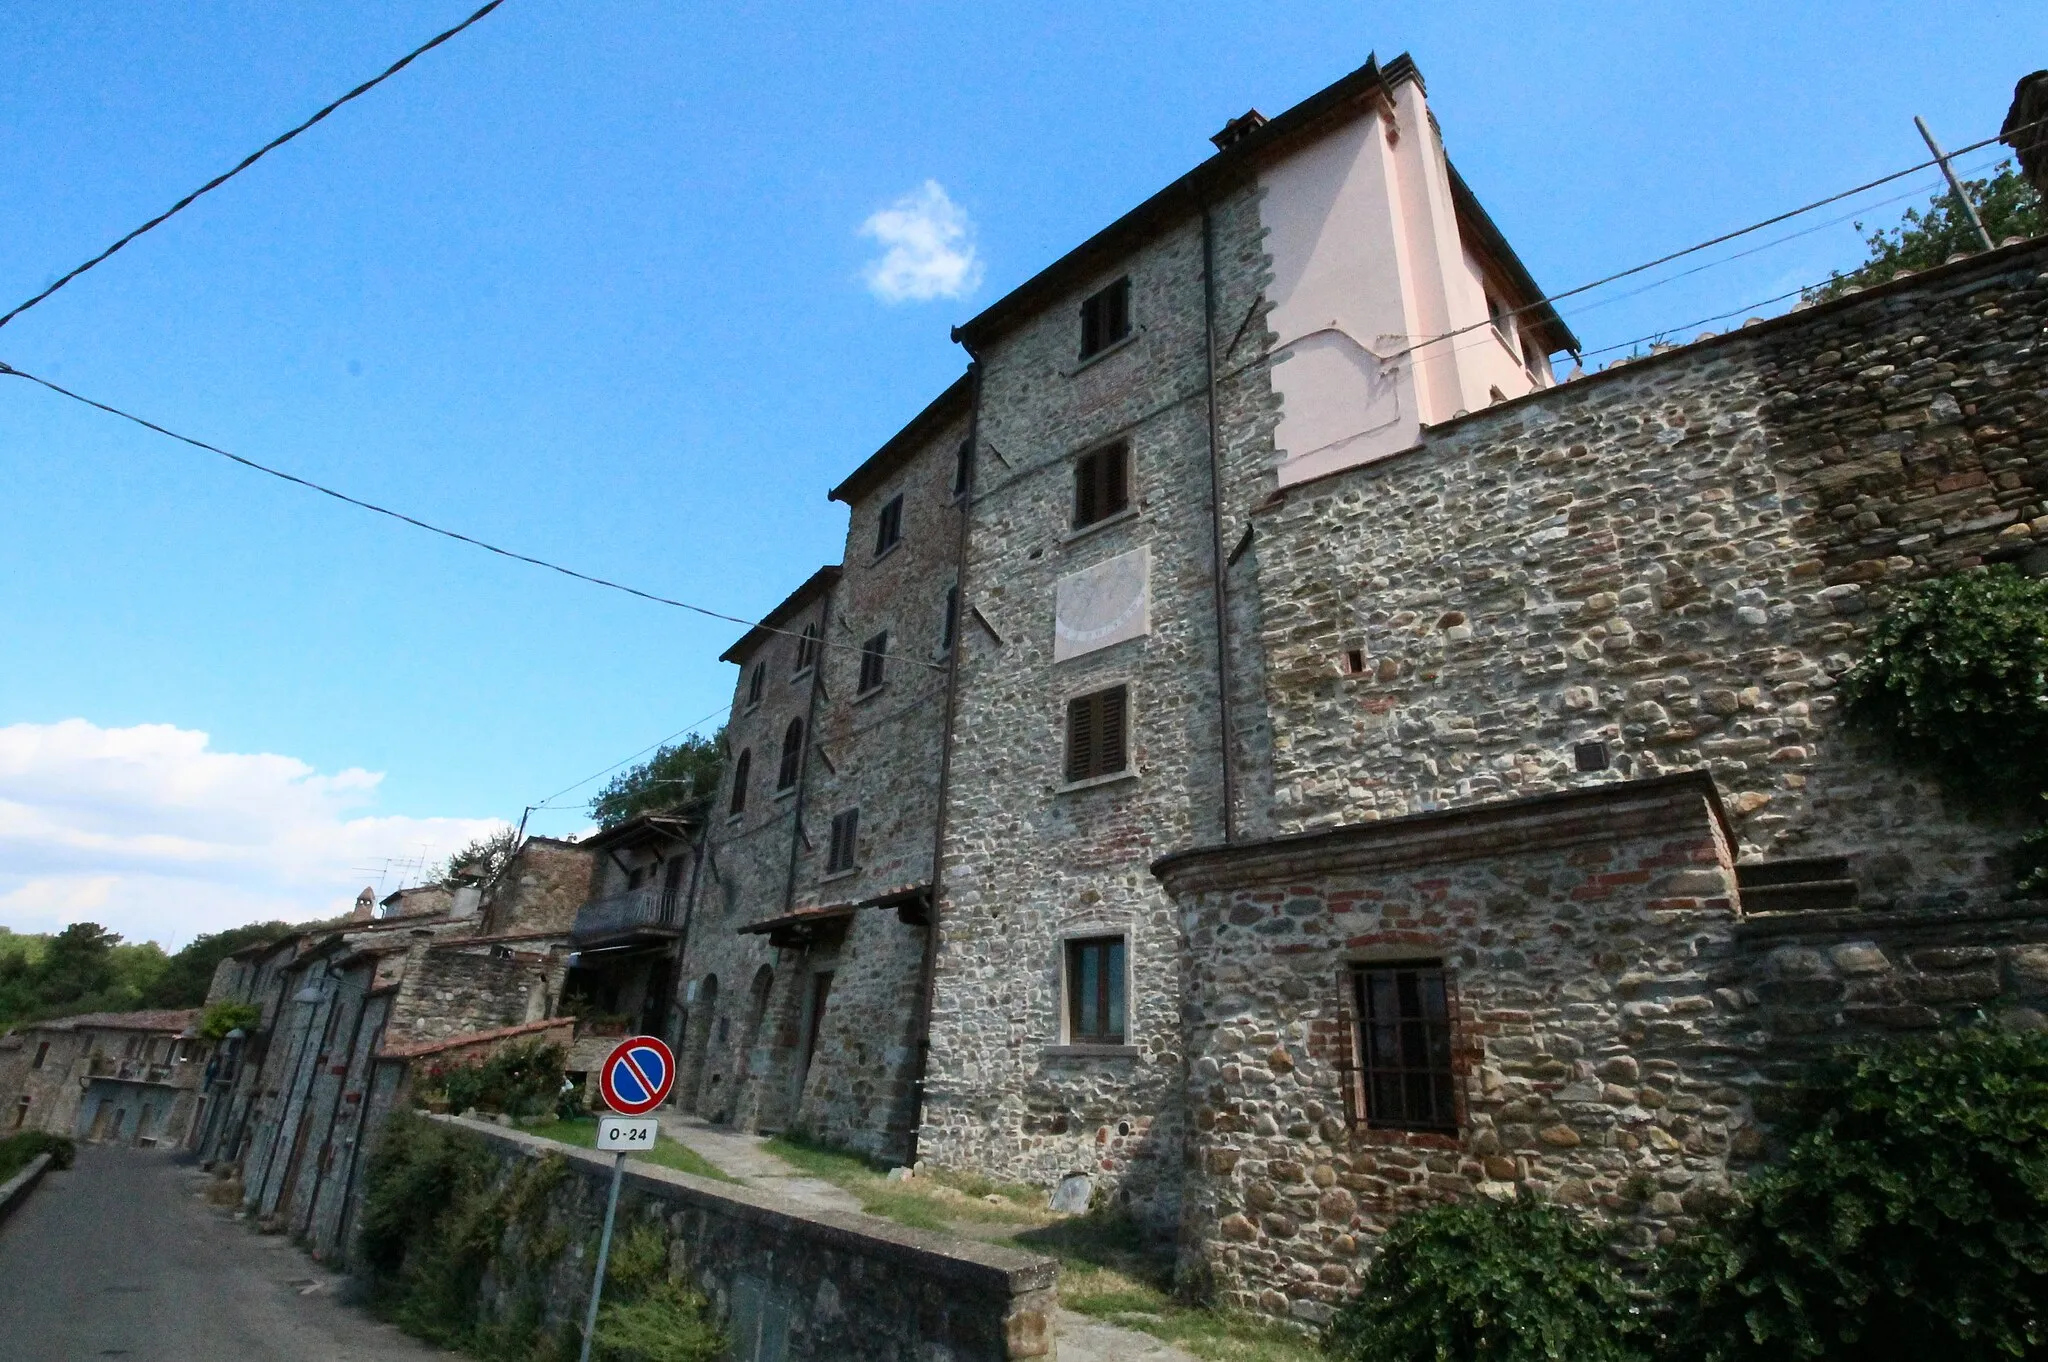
(151, 833)
(929, 248)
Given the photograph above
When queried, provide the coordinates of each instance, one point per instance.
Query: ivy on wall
(1956, 683)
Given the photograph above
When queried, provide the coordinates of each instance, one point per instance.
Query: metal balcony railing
(652, 908)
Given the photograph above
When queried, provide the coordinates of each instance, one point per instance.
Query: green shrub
(646, 1317)
(521, 1080)
(1909, 1218)
(1486, 1281)
(224, 1017)
(19, 1151)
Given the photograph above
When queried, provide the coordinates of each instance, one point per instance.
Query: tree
(492, 850)
(2008, 204)
(84, 968)
(188, 974)
(679, 778)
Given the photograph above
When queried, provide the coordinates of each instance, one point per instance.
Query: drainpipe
(1216, 531)
(930, 966)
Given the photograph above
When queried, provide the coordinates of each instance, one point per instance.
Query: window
(949, 624)
(1404, 1047)
(1102, 484)
(1503, 318)
(1095, 991)
(755, 683)
(1106, 318)
(806, 649)
(792, 755)
(889, 525)
(1095, 733)
(20, 1112)
(741, 769)
(872, 654)
(845, 833)
(636, 877)
(963, 467)
(42, 1053)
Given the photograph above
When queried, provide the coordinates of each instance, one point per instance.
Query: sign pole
(604, 1252)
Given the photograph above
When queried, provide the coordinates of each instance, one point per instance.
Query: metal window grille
(1095, 991)
(1096, 733)
(1102, 484)
(1403, 1016)
(872, 655)
(845, 836)
(792, 754)
(1106, 318)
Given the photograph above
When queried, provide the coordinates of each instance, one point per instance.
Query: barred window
(872, 655)
(889, 525)
(1095, 733)
(1095, 991)
(740, 770)
(792, 754)
(1102, 484)
(1106, 318)
(845, 837)
(1404, 1046)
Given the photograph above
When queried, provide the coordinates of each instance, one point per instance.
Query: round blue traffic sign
(637, 1075)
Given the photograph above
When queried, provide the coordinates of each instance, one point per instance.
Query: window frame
(842, 854)
(1112, 984)
(1093, 489)
(889, 525)
(1095, 770)
(1426, 1097)
(949, 620)
(789, 770)
(757, 684)
(1110, 303)
(742, 770)
(807, 647)
(42, 1054)
(874, 657)
(963, 468)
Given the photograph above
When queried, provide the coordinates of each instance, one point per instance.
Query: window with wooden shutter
(1102, 484)
(1095, 991)
(1106, 318)
(872, 655)
(845, 835)
(741, 769)
(889, 525)
(1096, 724)
(792, 754)
(1403, 1018)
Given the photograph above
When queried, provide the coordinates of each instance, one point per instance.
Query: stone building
(106, 1077)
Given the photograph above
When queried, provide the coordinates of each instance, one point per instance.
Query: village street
(123, 1256)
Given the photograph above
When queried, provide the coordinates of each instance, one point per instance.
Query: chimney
(366, 904)
(2026, 129)
(1235, 131)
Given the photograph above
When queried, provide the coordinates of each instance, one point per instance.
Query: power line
(1718, 240)
(253, 157)
(692, 727)
(416, 523)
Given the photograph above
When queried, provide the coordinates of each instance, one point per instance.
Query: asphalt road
(122, 1256)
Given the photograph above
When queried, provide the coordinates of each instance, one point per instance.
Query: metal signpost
(635, 1079)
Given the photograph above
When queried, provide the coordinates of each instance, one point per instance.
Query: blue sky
(591, 281)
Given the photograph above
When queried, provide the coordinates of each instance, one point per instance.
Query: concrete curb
(16, 1189)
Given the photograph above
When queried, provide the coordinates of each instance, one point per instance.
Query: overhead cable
(816, 640)
(253, 157)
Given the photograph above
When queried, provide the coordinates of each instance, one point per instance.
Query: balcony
(651, 911)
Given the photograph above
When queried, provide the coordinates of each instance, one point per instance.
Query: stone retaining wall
(812, 1286)
(15, 1190)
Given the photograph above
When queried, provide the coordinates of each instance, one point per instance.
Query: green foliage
(1908, 1220)
(188, 974)
(19, 1151)
(2008, 204)
(2031, 861)
(521, 1080)
(681, 778)
(492, 850)
(1511, 1281)
(223, 1017)
(645, 1317)
(84, 968)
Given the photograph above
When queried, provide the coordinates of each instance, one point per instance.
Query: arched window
(792, 754)
(740, 771)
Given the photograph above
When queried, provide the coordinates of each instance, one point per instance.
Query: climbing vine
(1956, 683)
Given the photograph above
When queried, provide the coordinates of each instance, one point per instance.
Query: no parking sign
(637, 1075)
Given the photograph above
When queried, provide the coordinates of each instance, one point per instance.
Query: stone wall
(1674, 560)
(795, 1284)
(1029, 861)
(540, 890)
(451, 989)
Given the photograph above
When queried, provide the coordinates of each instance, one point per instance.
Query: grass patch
(668, 1153)
(937, 1202)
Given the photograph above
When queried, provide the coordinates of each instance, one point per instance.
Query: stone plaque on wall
(1104, 604)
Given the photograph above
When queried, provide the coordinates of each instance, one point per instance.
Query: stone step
(1791, 870)
(1806, 896)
